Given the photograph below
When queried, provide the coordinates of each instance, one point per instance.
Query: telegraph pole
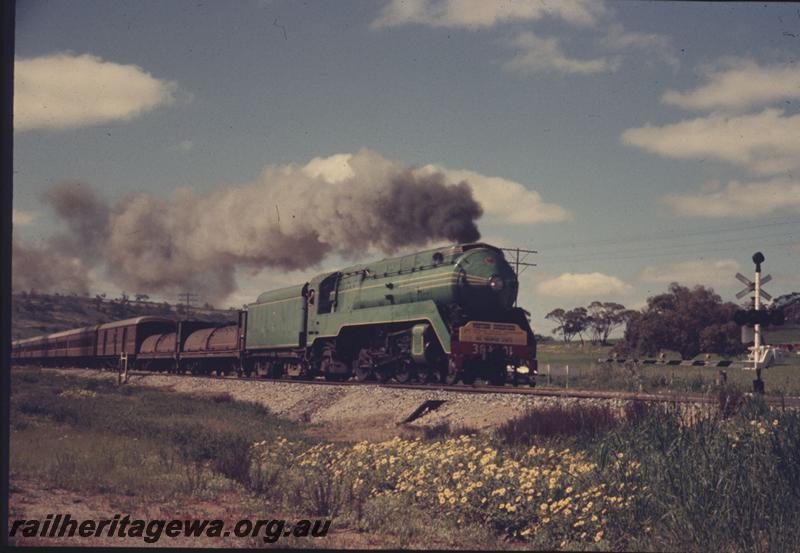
(520, 262)
(187, 299)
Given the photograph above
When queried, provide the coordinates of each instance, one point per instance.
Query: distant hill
(34, 314)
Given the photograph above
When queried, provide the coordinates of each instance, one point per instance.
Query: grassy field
(586, 372)
(580, 477)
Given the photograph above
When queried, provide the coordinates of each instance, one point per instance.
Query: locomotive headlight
(496, 283)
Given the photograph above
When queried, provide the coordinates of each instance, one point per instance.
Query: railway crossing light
(758, 259)
(751, 317)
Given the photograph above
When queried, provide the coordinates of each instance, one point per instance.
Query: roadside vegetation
(572, 477)
(586, 372)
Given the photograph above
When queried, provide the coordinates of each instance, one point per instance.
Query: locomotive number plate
(483, 350)
(493, 333)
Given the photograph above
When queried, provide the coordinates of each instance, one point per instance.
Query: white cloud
(536, 54)
(184, 146)
(62, 91)
(569, 285)
(717, 273)
(19, 217)
(333, 168)
(474, 14)
(765, 142)
(745, 200)
(658, 47)
(505, 201)
(739, 84)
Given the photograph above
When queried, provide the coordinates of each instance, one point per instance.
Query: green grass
(783, 334)
(92, 436)
(783, 378)
(147, 447)
(572, 353)
(721, 483)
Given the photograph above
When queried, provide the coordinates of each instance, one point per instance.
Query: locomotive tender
(444, 314)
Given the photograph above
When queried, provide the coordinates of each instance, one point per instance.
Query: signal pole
(758, 384)
(757, 307)
(755, 287)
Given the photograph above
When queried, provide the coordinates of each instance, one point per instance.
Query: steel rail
(567, 393)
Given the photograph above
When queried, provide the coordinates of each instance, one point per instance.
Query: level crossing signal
(751, 286)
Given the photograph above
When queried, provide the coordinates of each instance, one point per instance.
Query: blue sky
(630, 143)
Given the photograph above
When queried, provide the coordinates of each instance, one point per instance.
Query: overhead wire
(684, 248)
(664, 236)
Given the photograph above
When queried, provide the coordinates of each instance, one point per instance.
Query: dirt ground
(30, 500)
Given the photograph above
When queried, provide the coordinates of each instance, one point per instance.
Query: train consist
(440, 315)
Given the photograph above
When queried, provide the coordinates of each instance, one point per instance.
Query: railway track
(788, 401)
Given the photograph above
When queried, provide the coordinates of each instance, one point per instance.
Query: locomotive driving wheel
(468, 376)
(499, 375)
(364, 365)
(332, 366)
(403, 371)
(449, 375)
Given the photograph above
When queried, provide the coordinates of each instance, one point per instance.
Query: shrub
(232, 458)
(223, 397)
(729, 400)
(729, 484)
(557, 420)
(29, 377)
(638, 411)
(443, 430)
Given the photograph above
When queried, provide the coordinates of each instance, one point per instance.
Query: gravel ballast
(368, 410)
